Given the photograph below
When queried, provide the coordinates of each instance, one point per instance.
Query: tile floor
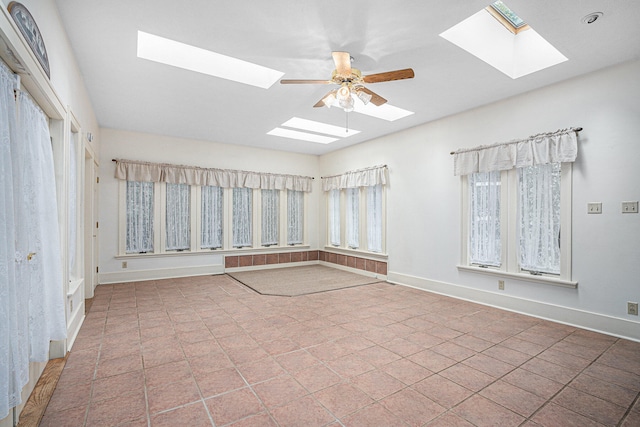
(207, 351)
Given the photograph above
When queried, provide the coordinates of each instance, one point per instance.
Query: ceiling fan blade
(376, 99)
(343, 63)
(407, 73)
(321, 102)
(302, 82)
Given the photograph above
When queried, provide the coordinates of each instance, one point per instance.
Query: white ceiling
(297, 38)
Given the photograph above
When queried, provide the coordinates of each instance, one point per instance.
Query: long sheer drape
(334, 217)
(178, 230)
(485, 246)
(73, 204)
(295, 217)
(353, 217)
(241, 221)
(374, 218)
(212, 202)
(14, 347)
(539, 218)
(39, 212)
(139, 205)
(270, 217)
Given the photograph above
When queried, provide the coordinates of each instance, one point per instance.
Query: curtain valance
(541, 149)
(359, 178)
(131, 170)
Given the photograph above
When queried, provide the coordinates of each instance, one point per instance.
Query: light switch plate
(630, 207)
(594, 207)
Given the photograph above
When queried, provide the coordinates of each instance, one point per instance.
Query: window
(139, 217)
(539, 218)
(374, 218)
(519, 221)
(353, 217)
(334, 217)
(485, 245)
(242, 217)
(212, 217)
(295, 217)
(178, 218)
(270, 216)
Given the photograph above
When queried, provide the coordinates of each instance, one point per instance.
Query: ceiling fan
(352, 81)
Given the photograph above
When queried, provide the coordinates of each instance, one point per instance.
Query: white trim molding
(159, 273)
(596, 322)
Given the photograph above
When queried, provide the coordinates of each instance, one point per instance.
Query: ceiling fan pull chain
(347, 121)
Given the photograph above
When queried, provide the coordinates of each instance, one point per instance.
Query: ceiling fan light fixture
(347, 104)
(344, 92)
(329, 100)
(363, 96)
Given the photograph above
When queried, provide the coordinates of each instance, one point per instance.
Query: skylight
(319, 127)
(176, 54)
(508, 14)
(515, 51)
(302, 136)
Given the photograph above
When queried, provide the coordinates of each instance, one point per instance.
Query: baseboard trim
(159, 273)
(596, 322)
(270, 266)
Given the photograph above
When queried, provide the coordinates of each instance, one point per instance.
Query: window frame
(159, 219)
(509, 235)
(362, 223)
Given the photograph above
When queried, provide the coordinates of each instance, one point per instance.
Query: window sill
(243, 251)
(547, 280)
(356, 252)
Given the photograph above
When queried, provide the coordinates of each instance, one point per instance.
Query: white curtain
(241, 217)
(139, 217)
(484, 219)
(353, 218)
(295, 217)
(375, 175)
(73, 204)
(131, 170)
(334, 217)
(541, 149)
(270, 217)
(178, 229)
(539, 218)
(14, 346)
(39, 213)
(212, 211)
(374, 218)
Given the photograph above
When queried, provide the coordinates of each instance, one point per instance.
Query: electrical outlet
(124, 264)
(629, 207)
(594, 207)
(501, 285)
(632, 308)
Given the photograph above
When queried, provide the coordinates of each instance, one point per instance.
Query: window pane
(139, 217)
(241, 221)
(353, 218)
(178, 217)
(374, 218)
(334, 217)
(539, 218)
(212, 208)
(484, 213)
(295, 217)
(270, 217)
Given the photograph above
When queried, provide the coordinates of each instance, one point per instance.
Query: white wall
(423, 199)
(163, 149)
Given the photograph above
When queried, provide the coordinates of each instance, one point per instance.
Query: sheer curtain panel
(295, 217)
(539, 218)
(14, 295)
(270, 217)
(484, 219)
(374, 218)
(212, 208)
(241, 217)
(178, 217)
(334, 217)
(353, 218)
(139, 205)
